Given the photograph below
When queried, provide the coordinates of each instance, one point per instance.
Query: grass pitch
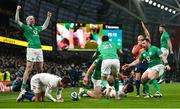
(170, 99)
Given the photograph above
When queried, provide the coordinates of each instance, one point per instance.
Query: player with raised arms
(34, 50)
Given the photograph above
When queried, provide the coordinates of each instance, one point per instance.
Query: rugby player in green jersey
(110, 61)
(157, 63)
(34, 54)
(142, 66)
(166, 46)
(95, 70)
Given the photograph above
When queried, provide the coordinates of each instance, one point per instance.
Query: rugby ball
(74, 96)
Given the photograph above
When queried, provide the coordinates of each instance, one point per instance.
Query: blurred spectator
(73, 75)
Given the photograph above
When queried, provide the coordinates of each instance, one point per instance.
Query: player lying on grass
(42, 85)
(16, 84)
(106, 89)
(155, 60)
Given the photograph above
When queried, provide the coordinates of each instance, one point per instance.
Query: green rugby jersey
(32, 35)
(108, 50)
(152, 56)
(163, 41)
(97, 71)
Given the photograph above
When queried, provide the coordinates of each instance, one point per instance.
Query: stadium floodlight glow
(162, 7)
(166, 8)
(154, 4)
(146, 1)
(150, 2)
(158, 5)
(174, 12)
(170, 10)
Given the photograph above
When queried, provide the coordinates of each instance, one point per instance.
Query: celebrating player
(141, 67)
(166, 45)
(42, 85)
(155, 60)
(34, 51)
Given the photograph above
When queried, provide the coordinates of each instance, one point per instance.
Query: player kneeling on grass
(105, 89)
(155, 60)
(42, 85)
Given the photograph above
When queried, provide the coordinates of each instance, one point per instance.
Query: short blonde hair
(27, 19)
(140, 37)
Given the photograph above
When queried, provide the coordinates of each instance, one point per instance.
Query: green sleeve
(23, 27)
(39, 28)
(104, 83)
(98, 51)
(158, 51)
(96, 61)
(141, 57)
(167, 36)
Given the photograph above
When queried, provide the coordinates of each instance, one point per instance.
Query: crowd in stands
(11, 60)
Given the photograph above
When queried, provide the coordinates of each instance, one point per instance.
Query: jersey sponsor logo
(107, 46)
(35, 31)
(148, 58)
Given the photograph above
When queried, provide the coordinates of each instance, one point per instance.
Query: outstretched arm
(89, 72)
(46, 23)
(145, 30)
(126, 66)
(17, 19)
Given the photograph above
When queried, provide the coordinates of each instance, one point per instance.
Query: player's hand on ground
(126, 66)
(168, 67)
(18, 7)
(49, 14)
(61, 100)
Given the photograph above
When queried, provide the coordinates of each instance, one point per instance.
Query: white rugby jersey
(50, 81)
(113, 91)
(47, 79)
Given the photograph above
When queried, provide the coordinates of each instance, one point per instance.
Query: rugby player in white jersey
(42, 85)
